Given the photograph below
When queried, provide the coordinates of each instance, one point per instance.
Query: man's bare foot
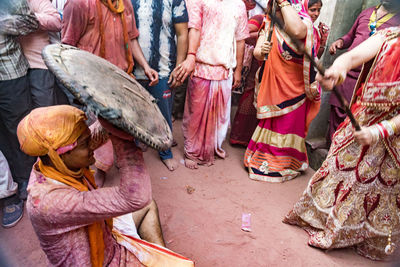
(174, 143)
(171, 164)
(191, 164)
(223, 155)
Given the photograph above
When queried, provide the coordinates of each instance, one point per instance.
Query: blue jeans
(163, 94)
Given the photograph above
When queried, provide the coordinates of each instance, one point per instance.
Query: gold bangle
(394, 126)
(342, 77)
(283, 4)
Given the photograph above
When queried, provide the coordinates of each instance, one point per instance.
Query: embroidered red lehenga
(354, 198)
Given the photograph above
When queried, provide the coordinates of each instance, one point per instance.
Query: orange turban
(46, 129)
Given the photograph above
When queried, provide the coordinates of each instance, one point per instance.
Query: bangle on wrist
(342, 77)
(382, 130)
(389, 128)
(383, 133)
(374, 130)
(394, 126)
(283, 4)
(191, 53)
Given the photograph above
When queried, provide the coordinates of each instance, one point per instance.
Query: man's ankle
(13, 199)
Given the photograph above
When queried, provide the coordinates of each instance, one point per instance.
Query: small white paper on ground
(246, 222)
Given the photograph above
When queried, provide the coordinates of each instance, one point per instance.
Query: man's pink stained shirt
(81, 28)
(33, 43)
(222, 23)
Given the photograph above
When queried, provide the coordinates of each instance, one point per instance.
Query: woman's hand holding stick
(330, 78)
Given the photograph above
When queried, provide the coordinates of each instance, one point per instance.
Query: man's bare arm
(187, 66)
(181, 30)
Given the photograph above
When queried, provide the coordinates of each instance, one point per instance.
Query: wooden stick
(271, 27)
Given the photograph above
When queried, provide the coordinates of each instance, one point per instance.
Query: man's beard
(391, 5)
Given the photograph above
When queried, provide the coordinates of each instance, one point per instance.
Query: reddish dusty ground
(205, 225)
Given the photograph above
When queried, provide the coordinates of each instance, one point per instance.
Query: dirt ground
(204, 222)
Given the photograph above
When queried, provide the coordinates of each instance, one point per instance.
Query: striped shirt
(15, 19)
(155, 20)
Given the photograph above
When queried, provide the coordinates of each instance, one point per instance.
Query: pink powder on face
(65, 149)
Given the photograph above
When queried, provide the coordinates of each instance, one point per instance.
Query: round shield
(110, 93)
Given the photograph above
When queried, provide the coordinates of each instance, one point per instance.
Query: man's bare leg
(191, 164)
(148, 225)
(171, 164)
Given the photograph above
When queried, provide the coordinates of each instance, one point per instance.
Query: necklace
(375, 22)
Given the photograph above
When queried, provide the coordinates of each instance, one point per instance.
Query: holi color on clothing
(287, 101)
(81, 28)
(208, 99)
(353, 199)
(33, 43)
(221, 23)
(149, 254)
(85, 28)
(206, 118)
(42, 82)
(156, 21)
(103, 149)
(66, 209)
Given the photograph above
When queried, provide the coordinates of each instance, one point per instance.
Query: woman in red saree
(354, 198)
(287, 99)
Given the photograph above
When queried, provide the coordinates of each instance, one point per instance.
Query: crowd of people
(208, 48)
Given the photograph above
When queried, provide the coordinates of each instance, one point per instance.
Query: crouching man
(72, 218)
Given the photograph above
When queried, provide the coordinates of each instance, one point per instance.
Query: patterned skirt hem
(272, 179)
(367, 247)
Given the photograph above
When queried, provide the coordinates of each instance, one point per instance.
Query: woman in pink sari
(287, 99)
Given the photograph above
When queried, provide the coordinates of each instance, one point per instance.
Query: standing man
(369, 21)
(159, 22)
(15, 100)
(42, 82)
(106, 29)
(215, 56)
